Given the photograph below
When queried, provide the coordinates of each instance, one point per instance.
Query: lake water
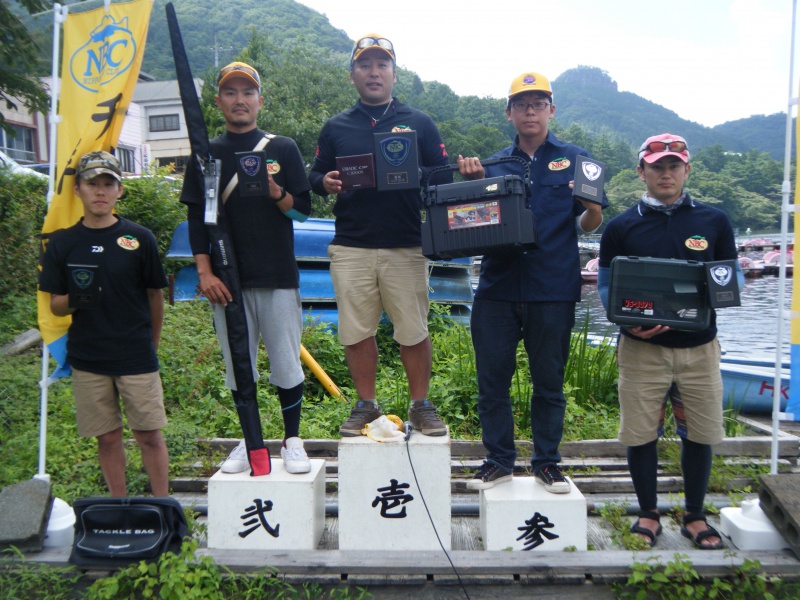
(749, 329)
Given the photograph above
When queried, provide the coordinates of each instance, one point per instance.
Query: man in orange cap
(259, 217)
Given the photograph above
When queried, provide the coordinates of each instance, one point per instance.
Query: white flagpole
(786, 209)
(59, 15)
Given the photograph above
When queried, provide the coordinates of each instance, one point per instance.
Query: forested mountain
(303, 62)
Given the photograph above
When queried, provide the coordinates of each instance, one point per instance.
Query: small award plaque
(589, 178)
(356, 171)
(723, 287)
(251, 168)
(396, 161)
(82, 286)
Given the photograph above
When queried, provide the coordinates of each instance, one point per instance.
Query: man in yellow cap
(259, 215)
(376, 255)
(530, 296)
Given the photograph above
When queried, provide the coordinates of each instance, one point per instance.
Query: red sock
(260, 463)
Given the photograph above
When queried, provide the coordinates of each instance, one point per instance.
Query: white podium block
(381, 505)
(271, 512)
(521, 515)
(749, 528)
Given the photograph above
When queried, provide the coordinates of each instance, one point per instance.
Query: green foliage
(19, 52)
(152, 201)
(679, 579)
(22, 580)
(614, 515)
(22, 209)
(185, 576)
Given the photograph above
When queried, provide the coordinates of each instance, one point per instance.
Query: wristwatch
(282, 196)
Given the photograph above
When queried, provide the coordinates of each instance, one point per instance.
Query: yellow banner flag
(793, 403)
(102, 56)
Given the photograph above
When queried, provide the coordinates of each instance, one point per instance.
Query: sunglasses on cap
(369, 42)
(241, 69)
(672, 146)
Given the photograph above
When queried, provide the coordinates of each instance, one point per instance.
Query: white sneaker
(237, 460)
(295, 459)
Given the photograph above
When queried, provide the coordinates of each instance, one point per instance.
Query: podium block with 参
(522, 515)
(380, 503)
(275, 511)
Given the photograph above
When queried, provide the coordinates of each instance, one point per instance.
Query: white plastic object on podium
(749, 528)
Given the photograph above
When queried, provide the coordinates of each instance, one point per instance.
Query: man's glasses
(239, 68)
(369, 42)
(524, 106)
(672, 146)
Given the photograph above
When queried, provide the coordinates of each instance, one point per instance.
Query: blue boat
(748, 383)
(449, 280)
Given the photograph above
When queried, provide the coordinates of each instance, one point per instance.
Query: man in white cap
(656, 363)
(105, 271)
(530, 296)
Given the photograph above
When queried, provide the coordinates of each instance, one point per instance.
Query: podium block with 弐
(279, 511)
(380, 502)
(522, 515)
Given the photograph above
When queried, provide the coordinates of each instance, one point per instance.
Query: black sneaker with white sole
(553, 479)
(487, 476)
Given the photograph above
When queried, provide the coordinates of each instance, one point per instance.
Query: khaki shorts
(368, 281)
(97, 402)
(646, 372)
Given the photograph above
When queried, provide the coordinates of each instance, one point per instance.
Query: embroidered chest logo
(696, 242)
(128, 242)
(273, 167)
(83, 278)
(250, 164)
(559, 164)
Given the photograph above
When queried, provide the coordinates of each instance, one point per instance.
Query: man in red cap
(660, 362)
(376, 255)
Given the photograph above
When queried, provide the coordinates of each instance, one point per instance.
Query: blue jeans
(545, 327)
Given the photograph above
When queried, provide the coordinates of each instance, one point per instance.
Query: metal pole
(786, 208)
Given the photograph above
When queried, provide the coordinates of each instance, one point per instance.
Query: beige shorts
(646, 372)
(97, 402)
(368, 281)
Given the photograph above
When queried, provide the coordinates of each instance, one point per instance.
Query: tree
(19, 51)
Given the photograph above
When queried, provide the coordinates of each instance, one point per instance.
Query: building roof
(160, 91)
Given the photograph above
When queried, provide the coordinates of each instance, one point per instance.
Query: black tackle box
(658, 291)
(471, 218)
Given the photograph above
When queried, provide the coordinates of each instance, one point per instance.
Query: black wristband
(282, 196)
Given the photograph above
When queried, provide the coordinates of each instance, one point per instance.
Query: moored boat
(449, 281)
(589, 272)
(751, 268)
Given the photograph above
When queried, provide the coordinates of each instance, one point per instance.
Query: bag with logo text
(121, 531)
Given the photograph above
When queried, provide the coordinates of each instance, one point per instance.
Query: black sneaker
(362, 413)
(553, 480)
(488, 475)
(425, 419)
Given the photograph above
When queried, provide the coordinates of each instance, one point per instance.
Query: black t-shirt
(262, 236)
(117, 337)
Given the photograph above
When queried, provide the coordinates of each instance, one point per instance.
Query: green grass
(199, 406)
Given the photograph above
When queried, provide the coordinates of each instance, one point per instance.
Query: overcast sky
(710, 61)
